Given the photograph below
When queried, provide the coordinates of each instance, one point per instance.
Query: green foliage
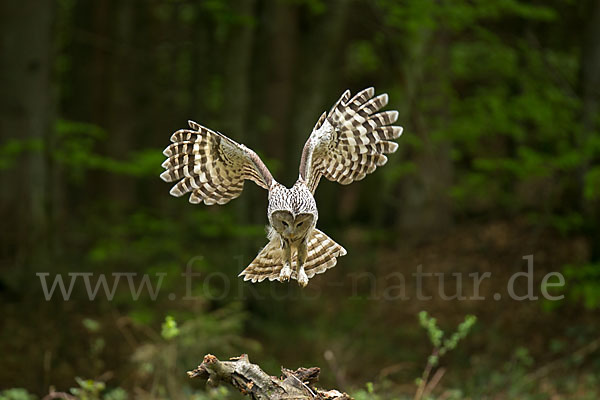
(76, 149)
(436, 335)
(316, 7)
(536, 103)
(592, 183)
(226, 17)
(16, 394)
(88, 389)
(13, 148)
(362, 58)
(441, 346)
(368, 393)
(180, 346)
(91, 324)
(169, 328)
(512, 374)
(583, 284)
(510, 111)
(218, 393)
(116, 394)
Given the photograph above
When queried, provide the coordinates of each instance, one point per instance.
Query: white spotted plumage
(345, 145)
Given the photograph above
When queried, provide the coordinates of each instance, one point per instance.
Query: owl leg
(286, 271)
(302, 255)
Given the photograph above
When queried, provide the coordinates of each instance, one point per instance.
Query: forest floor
(517, 345)
(362, 324)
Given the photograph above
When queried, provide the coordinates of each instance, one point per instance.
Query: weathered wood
(251, 380)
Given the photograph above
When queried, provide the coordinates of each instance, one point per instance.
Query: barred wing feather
(211, 166)
(350, 141)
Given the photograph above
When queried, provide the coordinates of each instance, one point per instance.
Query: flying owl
(346, 144)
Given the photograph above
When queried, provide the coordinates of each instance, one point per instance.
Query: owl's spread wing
(350, 141)
(211, 166)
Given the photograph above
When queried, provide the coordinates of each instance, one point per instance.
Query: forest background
(499, 160)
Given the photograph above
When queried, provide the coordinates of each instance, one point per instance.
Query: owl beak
(291, 235)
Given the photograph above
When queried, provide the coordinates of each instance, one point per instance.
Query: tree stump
(251, 380)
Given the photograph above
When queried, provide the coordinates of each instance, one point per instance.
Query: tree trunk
(280, 85)
(122, 115)
(237, 72)
(589, 85)
(236, 98)
(317, 74)
(426, 206)
(318, 87)
(26, 108)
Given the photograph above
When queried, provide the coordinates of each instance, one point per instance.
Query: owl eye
(285, 224)
(300, 223)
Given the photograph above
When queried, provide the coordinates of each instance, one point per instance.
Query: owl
(345, 145)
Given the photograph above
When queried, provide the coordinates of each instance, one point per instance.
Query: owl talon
(302, 278)
(285, 274)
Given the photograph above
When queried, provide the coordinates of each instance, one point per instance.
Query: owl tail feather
(322, 255)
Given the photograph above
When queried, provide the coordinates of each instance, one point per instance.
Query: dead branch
(251, 380)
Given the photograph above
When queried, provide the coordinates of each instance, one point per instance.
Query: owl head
(292, 226)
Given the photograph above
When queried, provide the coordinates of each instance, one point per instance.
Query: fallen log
(251, 380)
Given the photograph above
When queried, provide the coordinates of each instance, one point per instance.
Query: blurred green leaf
(169, 328)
